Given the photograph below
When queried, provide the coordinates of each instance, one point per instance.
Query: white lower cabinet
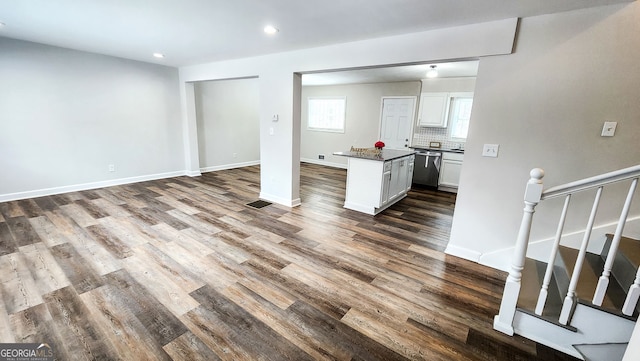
(375, 185)
(450, 171)
(386, 185)
(409, 179)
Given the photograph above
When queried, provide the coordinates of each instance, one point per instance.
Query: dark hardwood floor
(183, 269)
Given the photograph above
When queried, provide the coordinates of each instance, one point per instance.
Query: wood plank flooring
(183, 269)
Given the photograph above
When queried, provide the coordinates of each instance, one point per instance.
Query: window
(327, 114)
(460, 114)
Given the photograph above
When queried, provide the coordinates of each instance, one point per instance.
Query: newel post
(503, 322)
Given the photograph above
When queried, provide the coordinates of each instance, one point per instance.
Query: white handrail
(592, 182)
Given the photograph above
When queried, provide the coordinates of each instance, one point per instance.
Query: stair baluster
(632, 297)
(588, 319)
(569, 300)
(603, 282)
(542, 297)
(503, 322)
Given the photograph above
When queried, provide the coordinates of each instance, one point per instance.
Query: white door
(396, 122)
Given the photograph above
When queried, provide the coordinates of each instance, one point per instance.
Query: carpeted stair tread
(532, 278)
(630, 248)
(531, 283)
(626, 263)
(588, 276)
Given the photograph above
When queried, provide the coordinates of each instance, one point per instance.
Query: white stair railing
(569, 300)
(544, 291)
(533, 195)
(503, 322)
(603, 282)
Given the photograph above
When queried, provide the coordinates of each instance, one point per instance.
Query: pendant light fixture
(432, 73)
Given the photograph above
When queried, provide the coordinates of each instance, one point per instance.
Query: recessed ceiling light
(432, 73)
(158, 55)
(270, 29)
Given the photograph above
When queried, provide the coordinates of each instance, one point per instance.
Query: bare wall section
(228, 123)
(545, 105)
(65, 116)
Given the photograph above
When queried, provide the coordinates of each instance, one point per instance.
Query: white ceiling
(196, 31)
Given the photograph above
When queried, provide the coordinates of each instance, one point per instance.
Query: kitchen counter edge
(387, 154)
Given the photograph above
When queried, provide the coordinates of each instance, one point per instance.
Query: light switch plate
(609, 129)
(490, 150)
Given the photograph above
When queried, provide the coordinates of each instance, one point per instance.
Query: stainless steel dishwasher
(426, 169)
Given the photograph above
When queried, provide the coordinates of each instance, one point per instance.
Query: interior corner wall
(545, 106)
(362, 123)
(279, 150)
(228, 123)
(66, 115)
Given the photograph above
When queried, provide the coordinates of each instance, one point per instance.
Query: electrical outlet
(490, 150)
(609, 129)
(112, 168)
(320, 156)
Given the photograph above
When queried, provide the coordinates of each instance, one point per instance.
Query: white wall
(545, 105)
(228, 123)
(362, 125)
(66, 115)
(280, 88)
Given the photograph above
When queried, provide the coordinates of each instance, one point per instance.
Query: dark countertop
(386, 154)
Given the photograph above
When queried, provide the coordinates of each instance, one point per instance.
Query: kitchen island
(376, 181)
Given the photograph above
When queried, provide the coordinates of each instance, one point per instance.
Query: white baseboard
(540, 249)
(462, 253)
(86, 186)
(285, 202)
(229, 166)
(323, 162)
(193, 173)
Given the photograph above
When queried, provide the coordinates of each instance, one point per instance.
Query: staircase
(625, 268)
(578, 302)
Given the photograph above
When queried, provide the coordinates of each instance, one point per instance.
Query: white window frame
(324, 125)
(453, 121)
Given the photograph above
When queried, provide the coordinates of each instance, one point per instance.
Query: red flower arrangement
(379, 145)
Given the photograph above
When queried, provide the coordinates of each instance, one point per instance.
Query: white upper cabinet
(434, 110)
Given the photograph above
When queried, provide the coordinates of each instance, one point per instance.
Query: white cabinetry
(433, 110)
(409, 179)
(386, 183)
(374, 185)
(450, 171)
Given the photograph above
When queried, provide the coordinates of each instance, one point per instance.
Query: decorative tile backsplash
(423, 135)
